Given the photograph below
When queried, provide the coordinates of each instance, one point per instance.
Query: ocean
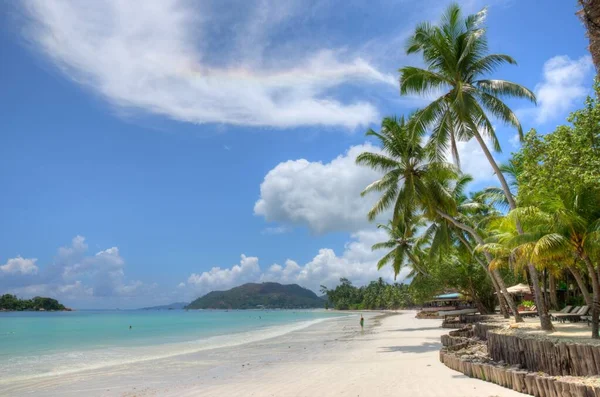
(38, 344)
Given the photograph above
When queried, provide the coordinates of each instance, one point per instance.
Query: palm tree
(404, 245)
(574, 222)
(473, 212)
(457, 59)
(413, 182)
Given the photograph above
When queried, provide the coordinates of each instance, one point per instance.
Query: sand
(396, 355)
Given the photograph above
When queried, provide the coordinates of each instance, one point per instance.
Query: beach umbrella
(519, 289)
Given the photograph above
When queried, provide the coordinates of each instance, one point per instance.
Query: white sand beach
(396, 355)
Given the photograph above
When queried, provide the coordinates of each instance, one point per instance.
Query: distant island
(257, 296)
(171, 306)
(12, 303)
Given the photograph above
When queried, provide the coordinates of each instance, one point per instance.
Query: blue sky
(150, 154)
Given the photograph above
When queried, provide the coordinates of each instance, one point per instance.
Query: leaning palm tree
(474, 213)
(457, 59)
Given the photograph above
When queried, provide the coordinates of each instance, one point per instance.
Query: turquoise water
(39, 344)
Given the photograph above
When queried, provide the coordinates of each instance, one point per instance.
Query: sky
(151, 152)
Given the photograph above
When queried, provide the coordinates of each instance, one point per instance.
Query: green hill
(12, 303)
(252, 296)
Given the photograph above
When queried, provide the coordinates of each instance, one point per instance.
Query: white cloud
(473, 160)
(565, 83)
(247, 270)
(357, 263)
(160, 58)
(74, 274)
(275, 230)
(20, 265)
(74, 290)
(515, 141)
(324, 197)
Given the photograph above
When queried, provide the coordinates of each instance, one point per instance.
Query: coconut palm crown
(457, 61)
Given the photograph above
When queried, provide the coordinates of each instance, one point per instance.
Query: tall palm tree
(457, 59)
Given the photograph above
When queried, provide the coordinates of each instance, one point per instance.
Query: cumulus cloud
(473, 160)
(247, 270)
(20, 265)
(322, 196)
(357, 263)
(73, 274)
(325, 197)
(169, 58)
(565, 83)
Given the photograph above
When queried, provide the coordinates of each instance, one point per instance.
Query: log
(530, 383)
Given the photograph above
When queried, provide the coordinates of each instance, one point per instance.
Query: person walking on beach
(362, 322)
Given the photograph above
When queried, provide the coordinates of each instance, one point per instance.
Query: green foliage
(267, 295)
(564, 161)
(377, 295)
(528, 304)
(11, 302)
(455, 270)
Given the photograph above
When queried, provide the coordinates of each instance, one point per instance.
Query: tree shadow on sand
(416, 329)
(422, 348)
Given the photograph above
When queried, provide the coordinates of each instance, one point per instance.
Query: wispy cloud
(276, 230)
(163, 57)
(565, 83)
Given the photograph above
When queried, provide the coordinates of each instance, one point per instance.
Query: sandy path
(400, 358)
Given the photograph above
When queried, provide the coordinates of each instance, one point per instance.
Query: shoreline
(395, 355)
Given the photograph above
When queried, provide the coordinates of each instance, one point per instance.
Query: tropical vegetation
(539, 225)
(10, 302)
(376, 295)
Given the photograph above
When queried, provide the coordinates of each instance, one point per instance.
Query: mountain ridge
(170, 306)
(267, 295)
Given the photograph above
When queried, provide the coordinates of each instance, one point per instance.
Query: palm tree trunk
(488, 257)
(540, 302)
(595, 294)
(581, 284)
(542, 309)
(590, 16)
(553, 296)
(492, 161)
(501, 300)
